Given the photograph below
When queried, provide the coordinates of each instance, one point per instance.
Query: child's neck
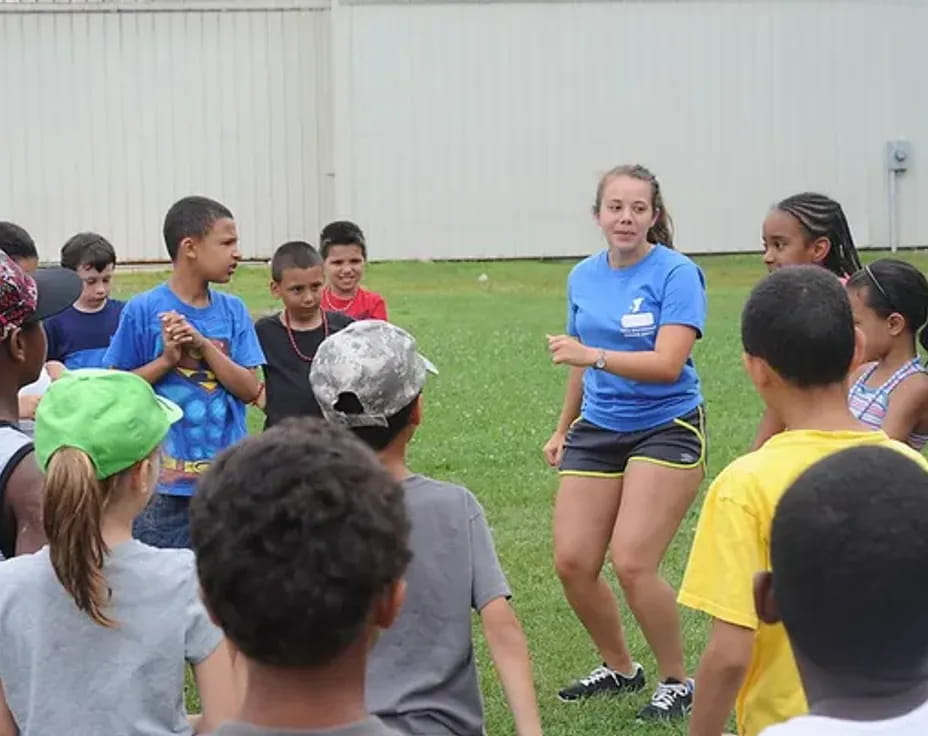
(339, 294)
(898, 356)
(116, 527)
(393, 458)
(824, 409)
(859, 699)
(320, 698)
(9, 395)
(90, 310)
(296, 324)
(190, 288)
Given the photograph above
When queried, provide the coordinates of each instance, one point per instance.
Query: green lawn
(490, 410)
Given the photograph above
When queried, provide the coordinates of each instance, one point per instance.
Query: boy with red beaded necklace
(291, 337)
(344, 252)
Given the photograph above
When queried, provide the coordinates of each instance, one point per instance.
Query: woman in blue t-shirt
(630, 444)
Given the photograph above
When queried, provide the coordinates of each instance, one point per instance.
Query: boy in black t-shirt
(291, 337)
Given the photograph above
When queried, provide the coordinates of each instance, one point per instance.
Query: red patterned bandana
(18, 296)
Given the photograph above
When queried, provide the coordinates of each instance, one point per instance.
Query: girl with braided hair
(810, 228)
(806, 228)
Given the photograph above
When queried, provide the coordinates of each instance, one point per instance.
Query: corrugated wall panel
(478, 130)
(110, 117)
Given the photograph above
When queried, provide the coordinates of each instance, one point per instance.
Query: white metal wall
(454, 130)
(472, 130)
(106, 118)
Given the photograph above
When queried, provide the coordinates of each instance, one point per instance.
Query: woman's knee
(577, 566)
(633, 570)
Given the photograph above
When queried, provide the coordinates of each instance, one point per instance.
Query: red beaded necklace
(296, 349)
(328, 303)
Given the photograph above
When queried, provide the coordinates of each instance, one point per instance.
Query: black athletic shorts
(593, 451)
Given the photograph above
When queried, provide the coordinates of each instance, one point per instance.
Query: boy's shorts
(597, 452)
(165, 522)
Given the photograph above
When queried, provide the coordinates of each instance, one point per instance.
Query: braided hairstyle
(662, 230)
(822, 217)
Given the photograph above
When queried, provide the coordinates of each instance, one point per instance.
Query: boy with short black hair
(344, 251)
(301, 540)
(849, 550)
(421, 674)
(198, 348)
(19, 245)
(80, 335)
(291, 337)
(799, 343)
(24, 302)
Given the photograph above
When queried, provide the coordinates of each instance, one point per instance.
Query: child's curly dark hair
(297, 532)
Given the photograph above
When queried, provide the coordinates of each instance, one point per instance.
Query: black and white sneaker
(603, 681)
(671, 700)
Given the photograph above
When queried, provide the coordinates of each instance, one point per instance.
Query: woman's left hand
(566, 350)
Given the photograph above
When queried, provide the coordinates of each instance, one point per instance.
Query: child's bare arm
(509, 650)
(28, 403)
(7, 724)
(722, 669)
(55, 369)
(25, 497)
(218, 684)
(907, 407)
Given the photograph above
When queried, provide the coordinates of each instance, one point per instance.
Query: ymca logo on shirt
(638, 321)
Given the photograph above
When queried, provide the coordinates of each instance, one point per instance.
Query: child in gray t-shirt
(422, 677)
(96, 628)
(301, 541)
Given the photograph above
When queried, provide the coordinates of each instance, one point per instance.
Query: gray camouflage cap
(374, 360)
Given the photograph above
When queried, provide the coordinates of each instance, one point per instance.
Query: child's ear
(275, 289)
(187, 248)
(765, 603)
(821, 247)
(390, 605)
(415, 416)
(17, 345)
(757, 369)
(896, 324)
(144, 476)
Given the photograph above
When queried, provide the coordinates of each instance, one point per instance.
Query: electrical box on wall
(898, 153)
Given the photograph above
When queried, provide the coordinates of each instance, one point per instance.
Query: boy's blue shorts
(165, 522)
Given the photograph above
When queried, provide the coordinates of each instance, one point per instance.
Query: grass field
(490, 410)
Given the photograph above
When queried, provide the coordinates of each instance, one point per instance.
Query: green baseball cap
(113, 416)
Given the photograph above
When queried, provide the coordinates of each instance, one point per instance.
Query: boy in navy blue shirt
(80, 335)
(198, 348)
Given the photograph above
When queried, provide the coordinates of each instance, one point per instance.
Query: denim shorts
(590, 450)
(165, 522)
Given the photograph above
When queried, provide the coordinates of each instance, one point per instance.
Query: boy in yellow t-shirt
(799, 342)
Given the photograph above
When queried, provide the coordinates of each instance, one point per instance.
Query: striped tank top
(869, 405)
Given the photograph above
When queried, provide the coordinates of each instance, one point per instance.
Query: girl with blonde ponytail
(96, 628)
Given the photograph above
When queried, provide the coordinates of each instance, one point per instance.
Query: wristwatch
(600, 362)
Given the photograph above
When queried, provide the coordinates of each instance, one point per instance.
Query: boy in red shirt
(344, 253)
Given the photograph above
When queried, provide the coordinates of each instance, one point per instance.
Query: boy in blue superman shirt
(198, 348)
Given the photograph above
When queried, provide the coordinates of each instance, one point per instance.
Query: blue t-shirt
(213, 418)
(623, 309)
(80, 339)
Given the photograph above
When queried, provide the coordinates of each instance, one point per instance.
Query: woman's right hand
(554, 448)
